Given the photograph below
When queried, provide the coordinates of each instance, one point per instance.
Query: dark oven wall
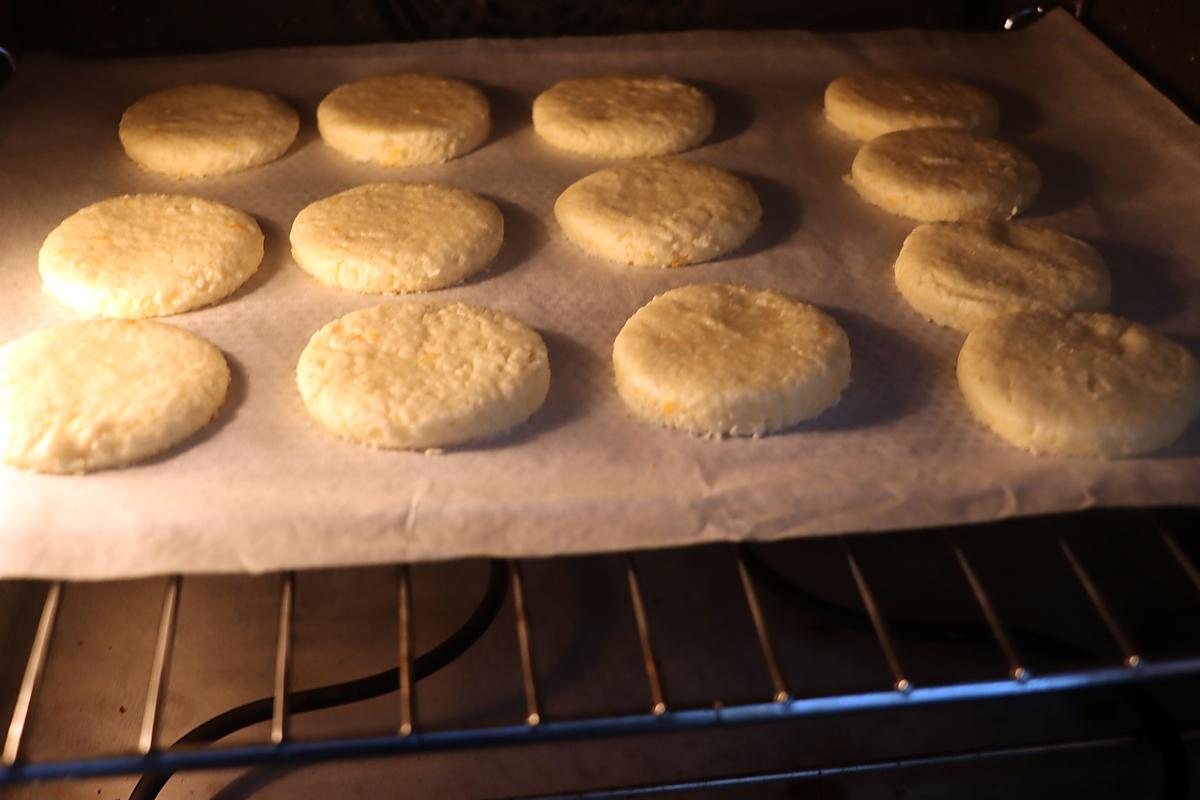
(1160, 39)
(86, 26)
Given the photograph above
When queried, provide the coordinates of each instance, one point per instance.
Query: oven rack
(1172, 538)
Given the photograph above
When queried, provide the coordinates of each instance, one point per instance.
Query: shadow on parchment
(1143, 288)
(568, 399)
(1019, 115)
(510, 112)
(1188, 444)
(734, 112)
(890, 377)
(235, 396)
(308, 135)
(524, 236)
(277, 251)
(1066, 179)
(781, 216)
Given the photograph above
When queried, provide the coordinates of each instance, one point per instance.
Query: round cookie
(104, 393)
(865, 105)
(933, 174)
(623, 116)
(422, 375)
(716, 359)
(207, 129)
(658, 213)
(149, 255)
(397, 237)
(1083, 384)
(961, 274)
(404, 119)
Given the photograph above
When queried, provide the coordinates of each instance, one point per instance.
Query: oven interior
(1055, 656)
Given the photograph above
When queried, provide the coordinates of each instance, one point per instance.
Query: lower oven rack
(1172, 537)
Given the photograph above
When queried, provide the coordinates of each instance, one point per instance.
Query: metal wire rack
(759, 569)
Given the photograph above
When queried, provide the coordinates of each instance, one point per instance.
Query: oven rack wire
(158, 761)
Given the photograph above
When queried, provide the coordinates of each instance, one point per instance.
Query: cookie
(422, 376)
(397, 237)
(662, 213)
(404, 120)
(149, 255)
(623, 116)
(865, 105)
(718, 359)
(207, 129)
(105, 393)
(961, 274)
(933, 174)
(1080, 384)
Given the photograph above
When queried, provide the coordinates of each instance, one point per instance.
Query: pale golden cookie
(716, 359)
(623, 116)
(421, 375)
(933, 174)
(397, 237)
(104, 393)
(149, 255)
(663, 213)
(961, 274)
(869, 104)
(207, 129)
(1082, 384)
(404, 119)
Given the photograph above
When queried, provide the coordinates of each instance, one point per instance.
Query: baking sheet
(264, 488)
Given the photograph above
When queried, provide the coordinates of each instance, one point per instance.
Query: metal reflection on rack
(34, 668)
(779, 687)
(160, 668)
(899, 682)
(283, 660)
(404, 600)
(658, 700)
(1129, 654)
(1181, 557)
(1016, 669)
(533, 714)
(1032, 12)
(282, 749)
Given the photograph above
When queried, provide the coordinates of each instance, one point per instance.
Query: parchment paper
(265, 488)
